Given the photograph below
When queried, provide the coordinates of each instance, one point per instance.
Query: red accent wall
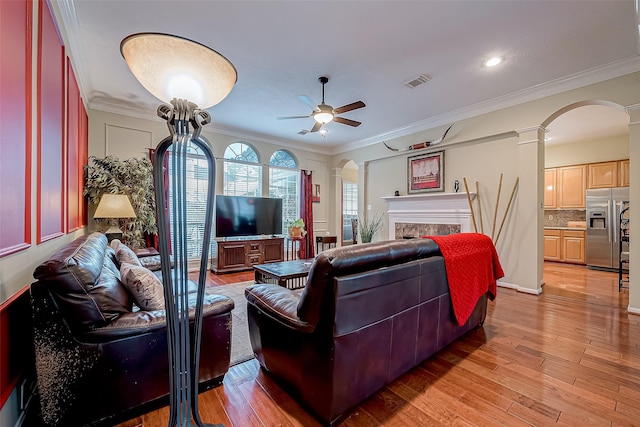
(84, 161)
(16, 342)
(74, 162)
(51, 150)
(15, 127)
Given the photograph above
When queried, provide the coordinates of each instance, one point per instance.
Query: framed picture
(426, 173)
(316, 193)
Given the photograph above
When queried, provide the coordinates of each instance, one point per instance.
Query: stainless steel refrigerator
(603, 226)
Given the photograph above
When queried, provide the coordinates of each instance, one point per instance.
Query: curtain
(152, 239)
(306, 213)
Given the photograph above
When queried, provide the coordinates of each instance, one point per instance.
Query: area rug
(241, 350)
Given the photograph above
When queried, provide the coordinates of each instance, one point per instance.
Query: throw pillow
(150, 262)
(124, 254)
(145, 287)
(153, 262)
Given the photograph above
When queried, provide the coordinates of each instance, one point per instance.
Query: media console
(239, 254)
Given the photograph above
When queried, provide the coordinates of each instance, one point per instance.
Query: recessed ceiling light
(493, 62)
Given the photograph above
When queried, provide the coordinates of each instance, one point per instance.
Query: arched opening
(586, 154)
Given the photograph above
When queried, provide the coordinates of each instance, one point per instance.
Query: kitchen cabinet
(571, 187)
(624, 172)
(573, 246)
(552, 247)
(565, 187)
(564, 246)
(550, 188)
(603, 175)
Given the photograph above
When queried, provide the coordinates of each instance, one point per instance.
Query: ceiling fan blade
(309, 102)
(346, 121)
(293, 117)
(349, 107)
(316, 127)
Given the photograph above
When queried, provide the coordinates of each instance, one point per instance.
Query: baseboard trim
(633, 310)
(520, 288)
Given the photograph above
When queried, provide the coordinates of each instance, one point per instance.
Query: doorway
(577, 138)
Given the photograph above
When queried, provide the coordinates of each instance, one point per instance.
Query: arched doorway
(580, 139)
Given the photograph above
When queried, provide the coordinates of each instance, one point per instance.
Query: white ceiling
(367, 49)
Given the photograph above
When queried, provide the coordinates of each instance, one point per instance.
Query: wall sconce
(191, 77)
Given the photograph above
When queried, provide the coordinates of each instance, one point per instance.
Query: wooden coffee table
(289, 274)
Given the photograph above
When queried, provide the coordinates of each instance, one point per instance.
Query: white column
(529, 274)
(634, 211)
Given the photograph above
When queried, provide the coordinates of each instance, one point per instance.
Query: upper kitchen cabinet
(603, 175)
(624, 173)
(550, 189)
(572, 186)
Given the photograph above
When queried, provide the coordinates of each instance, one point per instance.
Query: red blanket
(472, 267)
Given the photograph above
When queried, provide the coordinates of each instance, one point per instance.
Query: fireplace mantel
(433, 208)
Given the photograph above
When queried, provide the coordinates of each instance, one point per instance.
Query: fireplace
(429, 214)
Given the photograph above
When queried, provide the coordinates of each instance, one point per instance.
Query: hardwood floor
(568, 357)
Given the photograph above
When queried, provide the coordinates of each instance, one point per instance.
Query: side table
(321, 241)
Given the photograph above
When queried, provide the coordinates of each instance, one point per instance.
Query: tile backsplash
(560, 218)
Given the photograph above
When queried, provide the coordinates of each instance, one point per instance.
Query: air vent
(303, 132)
(414, 82)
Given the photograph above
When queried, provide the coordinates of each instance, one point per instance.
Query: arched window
(284, 182)
(196, 189)
(242, 171)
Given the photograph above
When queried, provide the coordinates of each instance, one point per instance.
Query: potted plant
(369, 225)
(133, 177)
(296, 228)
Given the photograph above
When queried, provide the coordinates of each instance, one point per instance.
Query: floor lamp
(182, 72)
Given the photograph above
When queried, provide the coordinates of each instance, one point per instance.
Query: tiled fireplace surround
(429, 214)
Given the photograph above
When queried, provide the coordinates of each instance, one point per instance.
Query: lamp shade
(325, 115)
(174, 67)
(114, 206)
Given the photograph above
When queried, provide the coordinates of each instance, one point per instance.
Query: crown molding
(144, 114)
(570, 82)
(65, 12)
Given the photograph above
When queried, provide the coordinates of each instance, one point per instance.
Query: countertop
(566, 228)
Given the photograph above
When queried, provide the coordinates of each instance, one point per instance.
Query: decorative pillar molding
(529, 275)
(634, 212)
(363, 187)
(336, 219)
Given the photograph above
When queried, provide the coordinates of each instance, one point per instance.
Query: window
(242, 171)
(349, 208)
(197, 187)
(284, 182)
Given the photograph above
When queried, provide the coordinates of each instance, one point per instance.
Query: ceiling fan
(324, 113)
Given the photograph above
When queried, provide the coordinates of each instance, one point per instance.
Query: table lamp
(114, 207)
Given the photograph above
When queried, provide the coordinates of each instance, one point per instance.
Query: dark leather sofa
(97, 360)
(368, 314)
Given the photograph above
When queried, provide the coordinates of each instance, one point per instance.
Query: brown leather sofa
(98, 360)
(368, 314)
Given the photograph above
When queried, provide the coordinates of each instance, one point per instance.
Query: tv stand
(241, 254)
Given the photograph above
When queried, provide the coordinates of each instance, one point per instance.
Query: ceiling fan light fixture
(325, 115)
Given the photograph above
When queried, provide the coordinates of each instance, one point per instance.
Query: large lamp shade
(171, 67)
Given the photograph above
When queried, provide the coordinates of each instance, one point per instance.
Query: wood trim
(23, 192)
(15, 337)
(73, 149)
(50, 212)
(84, 161)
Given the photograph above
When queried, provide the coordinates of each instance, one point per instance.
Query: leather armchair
(97, 359)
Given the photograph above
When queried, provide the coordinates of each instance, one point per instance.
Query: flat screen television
(248, 216)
